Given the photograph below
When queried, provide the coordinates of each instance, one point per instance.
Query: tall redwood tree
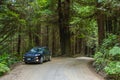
(63, 12)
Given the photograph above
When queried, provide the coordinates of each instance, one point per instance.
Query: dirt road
(57, 69)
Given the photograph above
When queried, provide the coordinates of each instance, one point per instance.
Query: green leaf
(115, 51)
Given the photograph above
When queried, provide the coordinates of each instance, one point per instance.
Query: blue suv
(37, 55)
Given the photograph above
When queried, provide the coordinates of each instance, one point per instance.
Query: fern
(3, 69)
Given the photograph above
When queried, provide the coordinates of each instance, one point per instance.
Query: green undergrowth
(6, 61)
(107, 57)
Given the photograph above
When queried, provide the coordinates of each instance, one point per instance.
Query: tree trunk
(47, 36)
(30, 38)
(37, 35)
(115, 29)
(53, 41)
(19, 41)
(0, 2)
(101, 31)
(100, 21)
(64, 11)
(109, 25)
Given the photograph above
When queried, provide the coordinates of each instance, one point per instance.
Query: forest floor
(57, 69)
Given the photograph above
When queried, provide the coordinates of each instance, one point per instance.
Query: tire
(41, 60)
(50, 57)
(26, 62)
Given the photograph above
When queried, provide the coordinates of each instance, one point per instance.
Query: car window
(46, 50)
(40, 49)
(35, 50)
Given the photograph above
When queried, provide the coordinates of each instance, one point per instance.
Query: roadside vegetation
(66, 27)
(6, 61)
(107, 57)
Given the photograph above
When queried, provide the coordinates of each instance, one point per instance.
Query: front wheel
(26, 62)
(41, 60)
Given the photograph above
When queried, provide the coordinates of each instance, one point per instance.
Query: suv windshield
(34, 50)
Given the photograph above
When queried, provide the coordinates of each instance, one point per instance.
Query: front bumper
(31, 59)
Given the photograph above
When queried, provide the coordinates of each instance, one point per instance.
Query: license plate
(28, 58)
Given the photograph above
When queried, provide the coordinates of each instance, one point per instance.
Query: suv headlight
(36, 57)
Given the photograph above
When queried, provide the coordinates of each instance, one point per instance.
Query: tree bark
(37, 35)
(101, 31)
(47, 35)
(19, 41)
(0, 2)
(63, 12)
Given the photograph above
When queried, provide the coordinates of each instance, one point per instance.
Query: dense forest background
(67, 27)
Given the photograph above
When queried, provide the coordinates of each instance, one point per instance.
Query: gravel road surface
(57, 69)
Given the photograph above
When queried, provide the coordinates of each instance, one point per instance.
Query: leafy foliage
(108, 56)
(6, 60)
(23, 19)
(83, 24)
(113, 68)
(115, 51)
(3, 69)
(83, 11)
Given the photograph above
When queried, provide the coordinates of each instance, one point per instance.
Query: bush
(113, 70)
(109, 42)
(98, 55)
(3, 69)
(8, 59)
(107, 57)
(115, 53)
